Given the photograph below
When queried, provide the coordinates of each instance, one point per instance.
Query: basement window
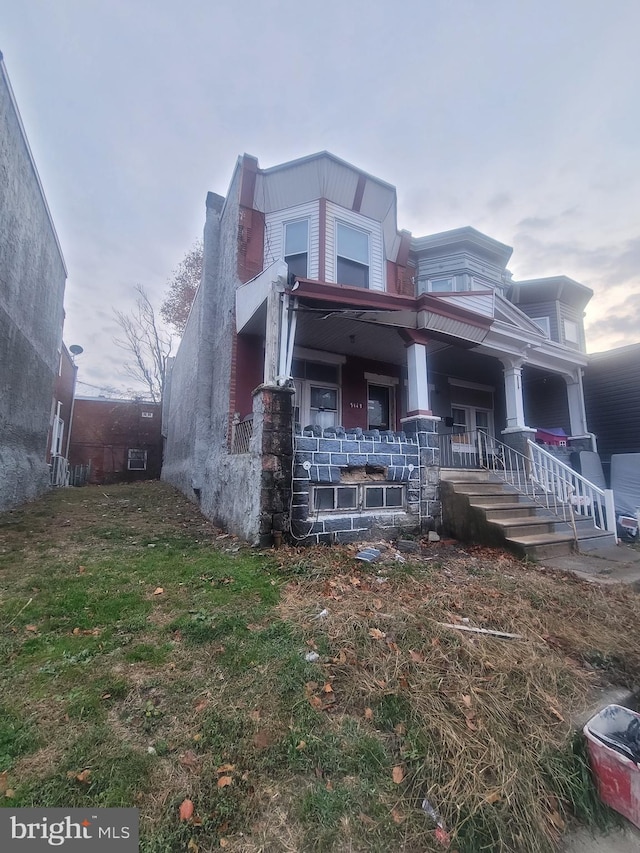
(358, 497)
(137, 460)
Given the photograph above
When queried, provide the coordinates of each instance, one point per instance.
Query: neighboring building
(119, 439)
(331, 362)
(612, 395)
(32, 282)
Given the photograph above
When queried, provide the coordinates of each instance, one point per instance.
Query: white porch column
(418, 384)
(513, 394)
(575, 399)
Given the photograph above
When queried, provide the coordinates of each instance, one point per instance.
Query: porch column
(513, 394)
(418, 385)
(575, 399)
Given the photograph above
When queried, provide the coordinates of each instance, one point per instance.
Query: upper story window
(296, 247)
(544, 324)
(442, 285)
(571, 332)
(352, 256)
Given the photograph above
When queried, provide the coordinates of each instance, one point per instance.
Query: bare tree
(183, 285)
(148, 346)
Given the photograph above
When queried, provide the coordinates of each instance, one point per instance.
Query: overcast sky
(519, 118)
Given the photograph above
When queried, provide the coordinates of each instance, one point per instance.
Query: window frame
(130, 458)
(339, 223)
(306, 253)
(566, 324)
(544, 323)
(361, 490)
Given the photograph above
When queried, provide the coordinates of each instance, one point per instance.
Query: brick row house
(332, 361)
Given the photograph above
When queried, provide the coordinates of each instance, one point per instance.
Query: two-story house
(332, 362)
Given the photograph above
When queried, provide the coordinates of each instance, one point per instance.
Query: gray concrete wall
(197, 458)
(32, 281)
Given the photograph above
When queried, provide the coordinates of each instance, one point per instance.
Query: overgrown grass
(147, 658)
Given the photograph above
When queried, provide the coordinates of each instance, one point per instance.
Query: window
(543, 322)
(441, 285)
(296, 246)
(316, 401)
(352, 256)
(137, 460)
(357, 497)
(571, 334)
(379, 406)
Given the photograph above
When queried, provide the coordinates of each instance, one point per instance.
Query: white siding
(274, 234)
(377, 279)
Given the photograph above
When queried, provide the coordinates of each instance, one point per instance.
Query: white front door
(467, 421)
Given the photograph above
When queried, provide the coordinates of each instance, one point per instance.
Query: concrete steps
(480, 508)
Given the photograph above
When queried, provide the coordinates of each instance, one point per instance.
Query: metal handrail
(547, 481)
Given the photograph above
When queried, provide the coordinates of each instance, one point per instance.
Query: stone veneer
(325, 457)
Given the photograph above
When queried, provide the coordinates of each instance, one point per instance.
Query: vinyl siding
(274, 234)
(376, 251)
(544, 309)
(612, 399)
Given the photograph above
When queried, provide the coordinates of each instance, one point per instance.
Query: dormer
(556, 304)
(331, 223)
(460, 260)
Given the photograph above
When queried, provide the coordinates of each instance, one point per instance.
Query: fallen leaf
(369, 821)
(442, 836)
(328, 688)
(224, 842)
(76, 631)
(84, 776)
(377, 603)
(400, 729)
(470, 720)
(466, 700)
(193, 846)
(10, 793)
(32, 628)
(189, 759)
(397, 774)
(341, 657)
(377, 634)
(397, 816)
(416, 656)
(556, 820)
(223, 781)
(82, 570)
(186, 810)
(197, 738)
(226, 768)
(263, 739)
(329, 785)
(158, 590)
(202, 704)
(254, 715)
(368, 713)
(493, 797)
(315, 701)
(301, 745)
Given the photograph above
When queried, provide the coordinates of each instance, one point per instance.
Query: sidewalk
(609, 565)
(625, 840)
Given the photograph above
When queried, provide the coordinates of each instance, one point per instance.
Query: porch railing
(548, 481)
(241, 432)
(59, 471)
(459, 450)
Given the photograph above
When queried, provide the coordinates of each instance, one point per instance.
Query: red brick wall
(104, 431)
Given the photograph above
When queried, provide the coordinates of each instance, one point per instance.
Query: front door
(380, 407)
(467, 421)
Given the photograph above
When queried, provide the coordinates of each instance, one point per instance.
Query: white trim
(476, 386)
(319, 355)
(544, 323)
(377, 256)
(379, 379)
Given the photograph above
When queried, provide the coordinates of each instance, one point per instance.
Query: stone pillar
(272, 440)
(423, 430)
(418, 384)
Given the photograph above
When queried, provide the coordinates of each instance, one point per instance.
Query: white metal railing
(548, 481)
(59, 471)
(241, 432)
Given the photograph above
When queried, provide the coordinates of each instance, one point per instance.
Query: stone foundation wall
(363, 458)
